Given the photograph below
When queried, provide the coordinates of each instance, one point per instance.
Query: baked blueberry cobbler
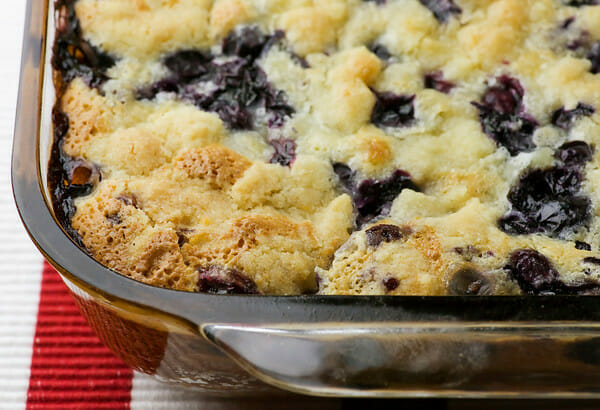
(397, 147)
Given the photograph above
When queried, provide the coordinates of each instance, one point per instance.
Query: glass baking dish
(546, 346)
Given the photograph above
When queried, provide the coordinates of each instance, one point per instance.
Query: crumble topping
(397, 147)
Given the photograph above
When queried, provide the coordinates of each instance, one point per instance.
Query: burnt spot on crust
(73, 56)
(378, 234)
(230, 84)
(373, 197)
(222, 281)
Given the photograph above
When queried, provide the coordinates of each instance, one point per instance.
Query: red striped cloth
(70, 368)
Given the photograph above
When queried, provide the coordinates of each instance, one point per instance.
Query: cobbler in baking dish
(389, 147)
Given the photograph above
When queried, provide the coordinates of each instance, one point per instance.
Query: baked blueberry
(233, 87)
(373, 197)
(594, 57)
(436, 82)
(380, 51)
(393, 110)
(580, 3)
(390, 283)
(75, 57)
(583, 246)
(285, 151)
(565, 118)
(502, 118)
(220, 280)
(575, 153)
(441, 9)
(534, 273)
(378, 234)
(188, 63)
(547, 201)
(469, 282)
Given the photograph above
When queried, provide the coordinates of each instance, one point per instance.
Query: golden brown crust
(221, 166)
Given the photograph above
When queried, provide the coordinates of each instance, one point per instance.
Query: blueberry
(565, 118)
(575, 153)
(129, 199)
(285, 152)
(187, 64)
(238, 86)
(345, 175)
(583, 246)
(436, 82)
(441, 9)
(547, 201)
(378, 2)
(580, 3)
(536, 275)
(469, 282)
(373, 197)
(567, 23)
(380, 51)
(390, 283)
(166, 85)
(513, 132)
(468, 252)
(233, 113)
(248, 43)
(82, 177)
(61, 123)
(502, 118)
(505, 96)
(393, 110)
(378, 234)
(592, 260)
(533, 272)
(182, 236)
(220, 280)
(594, 56)
(75, 57)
